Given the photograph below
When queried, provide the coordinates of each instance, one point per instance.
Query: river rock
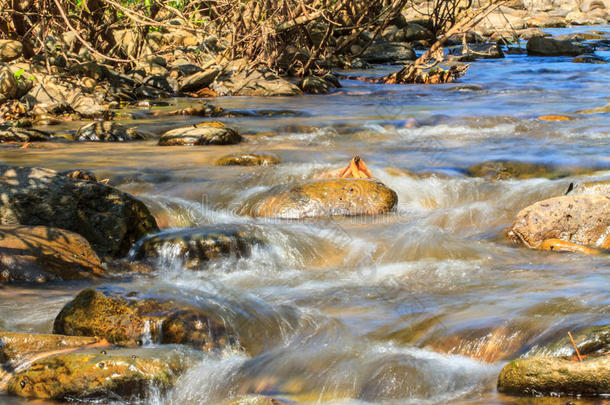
(479, 51)
(564, 223)
(589, 340)
(314, 85)
(16, 347)
(511, 169)
(80, 174)
(249, 159)
(15, 134)
(95, 374)
(244, 81)
(41, 254)
(197, 245)
(540, 46)
(321, 198)
(108, 218)
(200, 136)
(8, 84)
(129, 318)
(556, 375)
(107, 131)
(589, 58)
(416, 32)
(199, 80)
(388, 52)
(601, 187)
(10, 50)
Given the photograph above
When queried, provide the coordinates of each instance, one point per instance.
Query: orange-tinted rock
(322, 198)
(40, 254)
(581, 220)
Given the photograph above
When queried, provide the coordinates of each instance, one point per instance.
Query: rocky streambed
(231, 251)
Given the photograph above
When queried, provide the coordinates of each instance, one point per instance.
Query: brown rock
(248, 159)
(200, 136)
(10, 50)
(129, 318)
(569, 221)
(40, 254)
(322, 198)
(556, 375)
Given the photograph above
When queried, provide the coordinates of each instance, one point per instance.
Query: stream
(421, 306)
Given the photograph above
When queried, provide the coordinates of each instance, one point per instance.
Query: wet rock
(80, 174)
(580, 18)
(510, 169)
(200, 136)
(197, 245)
(108, 218)
(249, 159)
(529, 33)
(15, 134)
(478, 51)
(257, 400)
(246, 81)
(57, 98)
(314, 85)
(591, 58)
(41, 254)
(10, 50)
(556, 375)
(321, 198)
(555, 118)
(388, 52)
(16, 347)
(107, 131)
(93, 374)
(8, 84)
(572, 222)
(130, 318)
(540, 46)
(590, 340)
(199, 80)
(544, 20)
(601, 187)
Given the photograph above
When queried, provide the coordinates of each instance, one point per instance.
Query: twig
(575, 347)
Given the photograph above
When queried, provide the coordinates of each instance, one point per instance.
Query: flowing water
(424, 305)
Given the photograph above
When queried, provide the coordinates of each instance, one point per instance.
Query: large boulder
(197, 245)
(8, 84)
(107, 131)
(249, 159)
(108, 218)
(244, 81)
(571, 222)
(388, 52)
(555, 376)
(540, 46)
(93, 374)
(129, 318)
(207, 135)
(321, 198)
(17, 347)
(41, 254)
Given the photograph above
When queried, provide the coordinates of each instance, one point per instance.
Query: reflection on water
(420, 306)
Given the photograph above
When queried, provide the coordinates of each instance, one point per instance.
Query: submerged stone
(197, 245)
(129, 318)
(40, 254)
(511, 169)
(207, 135)
(572, 223)
(322, 198)
(107, 131)
(249, 159)
(95, 374)
(556, 376)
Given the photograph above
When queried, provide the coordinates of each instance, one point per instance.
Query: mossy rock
(97, 374)
(566, 222)
(249, 159)
(200, 136)
(197, 246)
(41, 254)
(556, 375)
(510, 169)
(321, 198)
(16, 347)
(129, 318)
